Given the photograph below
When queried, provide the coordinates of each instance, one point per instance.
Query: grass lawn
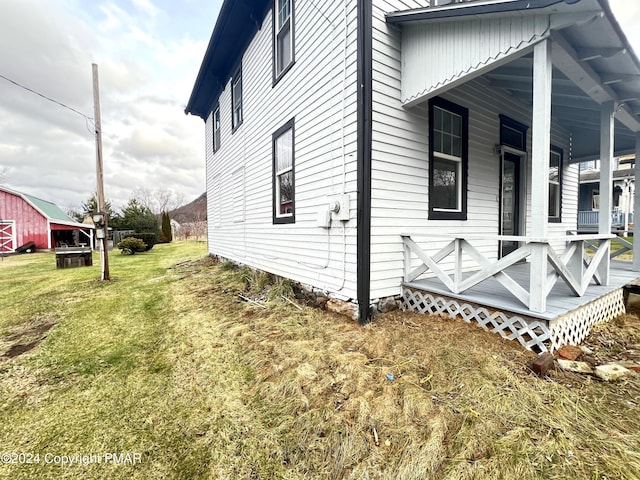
(169, 369)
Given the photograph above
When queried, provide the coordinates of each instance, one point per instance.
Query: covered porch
(71, 234)
(572, 65)
(497, 295)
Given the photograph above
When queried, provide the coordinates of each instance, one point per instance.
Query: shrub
(131, 245)
(149, 238)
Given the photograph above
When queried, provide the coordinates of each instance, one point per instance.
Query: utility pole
(104, 250)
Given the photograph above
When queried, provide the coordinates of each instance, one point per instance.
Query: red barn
(24, 218)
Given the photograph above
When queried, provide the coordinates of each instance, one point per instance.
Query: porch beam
(636, 210)
(606, 182)
(567, 60)
(540, 142)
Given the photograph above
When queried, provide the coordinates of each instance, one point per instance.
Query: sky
(148, 54)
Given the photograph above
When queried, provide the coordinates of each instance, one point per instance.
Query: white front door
(7, 236)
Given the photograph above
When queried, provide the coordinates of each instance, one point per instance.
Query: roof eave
(210, 82)
(464, 9)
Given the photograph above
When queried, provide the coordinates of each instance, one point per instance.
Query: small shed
(25, 218)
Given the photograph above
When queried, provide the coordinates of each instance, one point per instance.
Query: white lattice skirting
(574, 327)
(531, 333)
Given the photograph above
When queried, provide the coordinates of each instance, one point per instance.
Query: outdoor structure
(388, 148)
(25, 218)
(623, 190)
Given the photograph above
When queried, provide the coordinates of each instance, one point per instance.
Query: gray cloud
(147, 67)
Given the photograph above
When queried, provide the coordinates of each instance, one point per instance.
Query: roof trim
(49, 219)
(618, 29)
(464, 9)
(237, 23)
(72, 224)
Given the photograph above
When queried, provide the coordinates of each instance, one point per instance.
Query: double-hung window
(216, 129)
(283, 37)
(283, 174)
(448, 145)
(555, 184)
(236, 100)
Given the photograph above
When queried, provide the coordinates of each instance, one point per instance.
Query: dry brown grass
(312, 399)
(205, 385)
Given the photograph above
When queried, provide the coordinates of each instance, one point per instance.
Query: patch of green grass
(167, 361)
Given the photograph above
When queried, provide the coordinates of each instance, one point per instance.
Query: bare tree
(144, 197)
(3, 175)
(158, 201)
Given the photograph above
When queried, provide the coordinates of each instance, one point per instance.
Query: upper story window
(236, 100)
(283, 37)
(448, 145)
(283, 174)
(555, 184)
(216, 129)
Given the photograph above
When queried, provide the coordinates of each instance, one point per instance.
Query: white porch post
(636, 210)
(540, 140)
(606, 182)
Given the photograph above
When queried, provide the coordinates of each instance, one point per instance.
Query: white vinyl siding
(461, 48)
(325, 153)
(400, 164)
(237, 185)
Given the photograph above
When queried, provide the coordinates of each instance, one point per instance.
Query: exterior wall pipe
(364, 129)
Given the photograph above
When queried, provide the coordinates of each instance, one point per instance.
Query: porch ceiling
(593, 61)
(570, 106)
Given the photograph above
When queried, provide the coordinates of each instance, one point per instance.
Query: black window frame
(560, 152)
(218, 137)
(237, 77)
(276, 33)
(277, 219)
(514, 125)
(463, 112)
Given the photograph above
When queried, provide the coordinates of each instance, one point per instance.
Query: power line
(48, 98)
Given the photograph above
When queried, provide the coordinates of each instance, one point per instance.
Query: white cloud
(148, 59)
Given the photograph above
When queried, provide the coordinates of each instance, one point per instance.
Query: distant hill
(195, 211)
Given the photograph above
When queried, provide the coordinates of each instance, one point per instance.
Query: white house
(623, 191)
(393, 148)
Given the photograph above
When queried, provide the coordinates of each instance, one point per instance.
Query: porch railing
(591, 218)
(573, 265)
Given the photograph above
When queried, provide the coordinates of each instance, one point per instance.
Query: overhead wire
(87, 118)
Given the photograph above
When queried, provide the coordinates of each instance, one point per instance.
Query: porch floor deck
(560, 301)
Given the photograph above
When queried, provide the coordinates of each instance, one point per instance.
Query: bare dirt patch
(25, 337)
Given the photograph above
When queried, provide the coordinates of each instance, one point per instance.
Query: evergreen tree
(166, 235)
(139, 218)
(90, 207)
